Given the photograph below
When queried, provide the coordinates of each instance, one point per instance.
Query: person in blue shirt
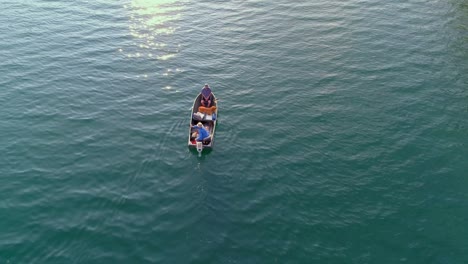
(202, 132)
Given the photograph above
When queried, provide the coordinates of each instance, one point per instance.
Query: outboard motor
(199, 148)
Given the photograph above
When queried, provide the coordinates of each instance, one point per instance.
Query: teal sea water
(342, 134)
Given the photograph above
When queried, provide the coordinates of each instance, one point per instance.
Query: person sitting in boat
(207, 96)
(203, 134)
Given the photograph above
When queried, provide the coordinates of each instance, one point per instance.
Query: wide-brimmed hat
(200, 124)
(206, 85)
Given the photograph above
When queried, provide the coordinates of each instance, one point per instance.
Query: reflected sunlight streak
(152, 24)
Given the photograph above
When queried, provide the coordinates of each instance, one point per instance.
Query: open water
(342, 135)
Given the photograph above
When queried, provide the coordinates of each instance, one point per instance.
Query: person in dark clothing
(207, 96)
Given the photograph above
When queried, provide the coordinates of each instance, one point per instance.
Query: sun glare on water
(153, 23)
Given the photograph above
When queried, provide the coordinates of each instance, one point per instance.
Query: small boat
(208, 117)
